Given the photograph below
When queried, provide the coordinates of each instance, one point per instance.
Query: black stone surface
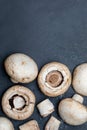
(46, 30)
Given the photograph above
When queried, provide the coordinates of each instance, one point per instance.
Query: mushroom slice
(21, 68)
(18, 102)
(45, 107)
(6, 124)
(54, 79)
(80, 79)
(72, 111)
(52, 124)
(31, 125)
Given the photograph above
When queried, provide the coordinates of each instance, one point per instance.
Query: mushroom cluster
(54, 79)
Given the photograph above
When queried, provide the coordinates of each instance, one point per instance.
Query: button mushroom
(21, 68)
(45, 107)
(18, 102)
(52, 124)
(6, 124)
(72, 111)
(54, 79)
(80, 79)
(31, 125)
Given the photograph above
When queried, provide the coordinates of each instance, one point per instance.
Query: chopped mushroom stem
(78, 98)
(31, 125)
(52, 124)
(45, 107)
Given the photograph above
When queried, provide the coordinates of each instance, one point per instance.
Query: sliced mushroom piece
(52, 124)
(31, 125)
(72, 111)
(6, 124)
(45, 107)
(21, 68)
(54, 79)
(80, 79)
(18, 102)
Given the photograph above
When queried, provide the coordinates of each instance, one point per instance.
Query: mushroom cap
(6, 124)
(80, 79)
(61, 71)
(13, 102)
(21, 68)
(72, 112)
(30, 125)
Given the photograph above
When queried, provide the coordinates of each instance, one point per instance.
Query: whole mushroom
(18, 102)
(72, 111)
(54, 79)
(80, 79)
(21, 68)
(6, 124)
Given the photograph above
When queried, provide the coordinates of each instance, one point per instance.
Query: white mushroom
(72, 111)
(54, 79)
(18, 102)
(6, 124)
(31, 125)
(52, 124)
(45, 107)
(21, 68)
(80, 79)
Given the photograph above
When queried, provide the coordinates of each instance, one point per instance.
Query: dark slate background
(46, 30)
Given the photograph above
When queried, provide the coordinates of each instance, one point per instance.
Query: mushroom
(54, 79)
(6, 124)
(45, 107)
(31, 125)
(52, 124)
(21, 68)
(72, 111)
(18, 102)
(80, 79)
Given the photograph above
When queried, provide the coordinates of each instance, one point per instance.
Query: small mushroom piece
(21, 68)
(54, 79)
(31, 125)
(72, 111)
(18, 102)
(45, 107)
(52, 124)
(6, 124)
(80, 79)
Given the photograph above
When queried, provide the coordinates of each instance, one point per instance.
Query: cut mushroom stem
(52, 124)
(78, 98)
(31, 125)
(45, 107)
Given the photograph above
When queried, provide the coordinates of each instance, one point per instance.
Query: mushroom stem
(52, 124)
(78, 98)
(45, 107)
(30, 125)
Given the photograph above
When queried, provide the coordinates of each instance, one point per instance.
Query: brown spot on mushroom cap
(22, 107)
(54, 79)
(72, 112)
